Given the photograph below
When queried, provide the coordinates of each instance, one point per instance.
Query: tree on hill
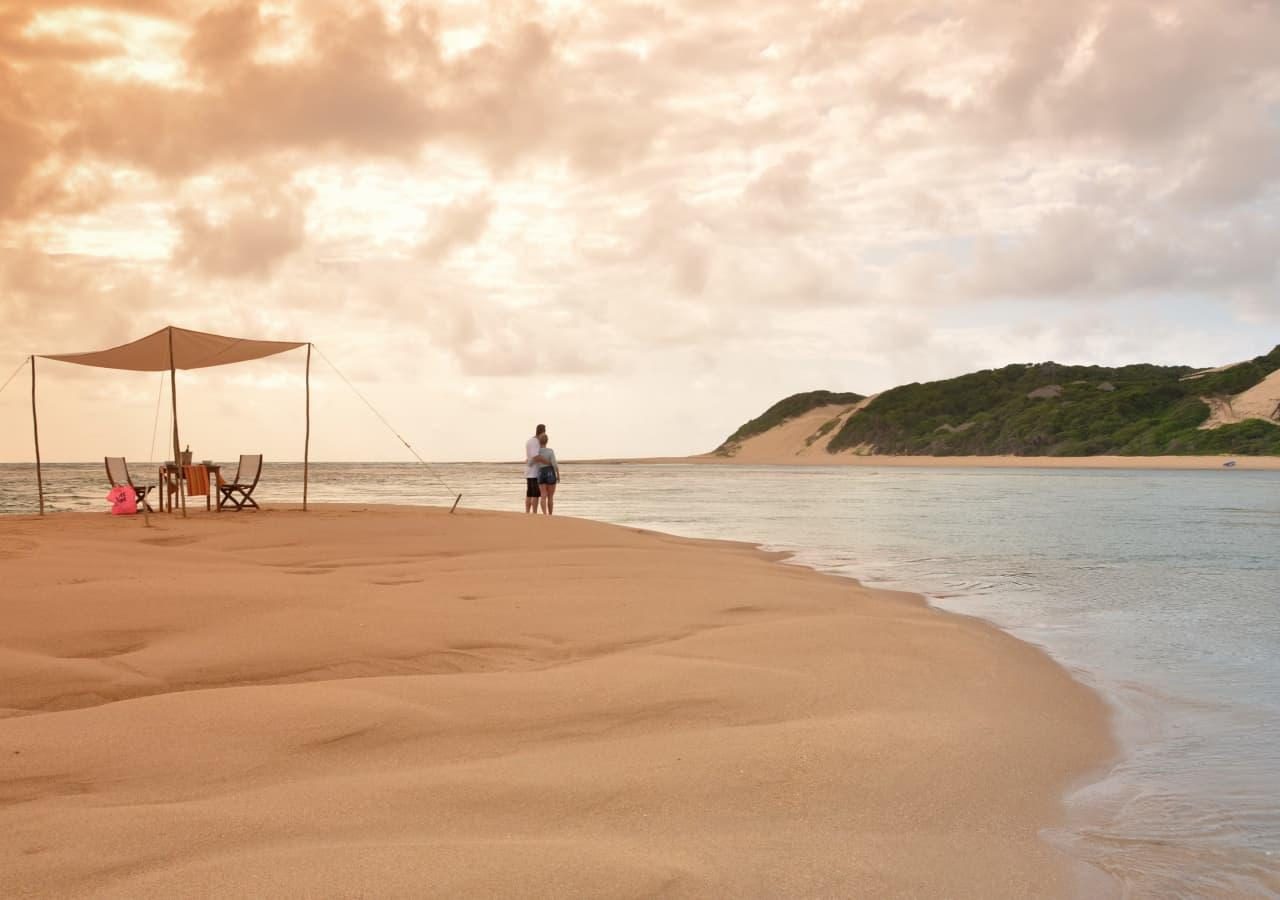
(1048, 409)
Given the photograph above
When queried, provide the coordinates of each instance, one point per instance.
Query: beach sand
(1269, 463)
(391, 702)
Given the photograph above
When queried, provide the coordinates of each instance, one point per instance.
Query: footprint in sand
(177, 540)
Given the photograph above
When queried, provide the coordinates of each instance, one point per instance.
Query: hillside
(804, 422)
(1042, 409)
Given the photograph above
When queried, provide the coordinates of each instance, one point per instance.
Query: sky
(640, 223)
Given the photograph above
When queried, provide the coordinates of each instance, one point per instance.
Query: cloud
(323, 80)
(457, 225)
(223, 38)
(18, 46)
(1152, 73)
(24, 147)
(1234, 164)
(362, 84)
(995, 71)
(47, 299)
(247, 238)
(1099, 254)
(156, 8)
(493, 341)
(597, 194)
(343, 99)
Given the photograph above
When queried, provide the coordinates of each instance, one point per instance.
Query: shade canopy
(168, 350)
(190, 350)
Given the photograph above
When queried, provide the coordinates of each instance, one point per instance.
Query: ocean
(1160, 589)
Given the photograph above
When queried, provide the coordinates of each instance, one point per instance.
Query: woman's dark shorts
(547, 475)
(531, 488)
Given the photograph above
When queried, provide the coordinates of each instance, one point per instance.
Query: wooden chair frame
(237, 493)
(123, 479)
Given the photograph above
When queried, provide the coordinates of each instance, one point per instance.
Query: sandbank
(1270, 463)
(396, 702)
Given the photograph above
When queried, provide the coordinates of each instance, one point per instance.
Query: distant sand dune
(400, 703)
(1262, 401)
(804, 437)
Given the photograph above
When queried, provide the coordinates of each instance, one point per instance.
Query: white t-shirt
(532, 448)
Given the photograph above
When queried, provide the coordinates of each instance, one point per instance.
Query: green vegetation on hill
(1139, 410)
(795, 405)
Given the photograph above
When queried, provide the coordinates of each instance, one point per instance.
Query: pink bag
(124, 501)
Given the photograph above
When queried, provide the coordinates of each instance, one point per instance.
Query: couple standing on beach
(541, 473)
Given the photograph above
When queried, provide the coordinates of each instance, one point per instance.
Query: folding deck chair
(237, 492)
(118, 475)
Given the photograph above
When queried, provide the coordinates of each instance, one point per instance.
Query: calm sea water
(1160, 589)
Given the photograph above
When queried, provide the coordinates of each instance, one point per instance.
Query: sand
(1269, 463)
(390, 702)
(1262, 401)
(801, 437)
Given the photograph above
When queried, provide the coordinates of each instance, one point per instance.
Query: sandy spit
(391, 702)
(1271, 463)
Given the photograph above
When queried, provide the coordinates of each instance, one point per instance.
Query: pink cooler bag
(123, 500)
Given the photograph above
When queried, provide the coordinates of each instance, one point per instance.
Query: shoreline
(1255, 463)
(587, 707)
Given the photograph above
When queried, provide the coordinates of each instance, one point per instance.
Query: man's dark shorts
(531, 488)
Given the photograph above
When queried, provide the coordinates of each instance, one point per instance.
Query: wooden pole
(35, 428)
(306, 443)
(177, 447)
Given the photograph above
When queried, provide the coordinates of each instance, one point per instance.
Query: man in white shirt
(531, 462)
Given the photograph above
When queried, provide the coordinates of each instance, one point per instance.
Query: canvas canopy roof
(168, 350)
(172, 348)
(190, 350)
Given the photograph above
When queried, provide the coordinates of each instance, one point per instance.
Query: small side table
(171, 482)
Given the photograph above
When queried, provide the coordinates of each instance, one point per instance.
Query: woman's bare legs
(549, 499)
